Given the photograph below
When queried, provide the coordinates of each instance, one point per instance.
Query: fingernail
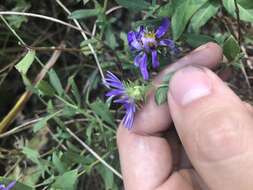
(190, 84)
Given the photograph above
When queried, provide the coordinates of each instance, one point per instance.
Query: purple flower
(119, 90)
(146, 42)
(10, 186)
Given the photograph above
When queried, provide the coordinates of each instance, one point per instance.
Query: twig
(43, 17)
(237, 11)
(249, 63)
(86, 38)
(10, 117)
(52, 49)
(94, 153)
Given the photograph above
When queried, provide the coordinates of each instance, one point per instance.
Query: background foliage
(57, 130)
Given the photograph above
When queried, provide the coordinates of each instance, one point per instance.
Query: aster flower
(9, 187)
(146, 42)
(125, 94)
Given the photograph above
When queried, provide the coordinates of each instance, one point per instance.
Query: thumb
(215, 128)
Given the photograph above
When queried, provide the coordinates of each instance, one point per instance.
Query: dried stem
(94, 153)
(86, 38)
(43, 17)
(237, 11)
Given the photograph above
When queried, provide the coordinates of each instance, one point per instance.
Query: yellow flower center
(150, 35)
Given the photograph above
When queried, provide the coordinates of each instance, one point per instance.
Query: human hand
(214, 126)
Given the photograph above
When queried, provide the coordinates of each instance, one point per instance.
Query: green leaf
(67, 181)
(200, 18)
(196, 40)
(55, 81)
(45, 88)
(248, 4)
(161, 95)
(134, 5)
(74, 90)
(148, 22)
(18, 185)
(183, 14)
(168, 9)
(107, 176)
(231, 48)
(58, 164)
(102, 110)
(43, 122)
(31, 154)
(26, 62)
(84, 13)
(110, 38)
(246, 14)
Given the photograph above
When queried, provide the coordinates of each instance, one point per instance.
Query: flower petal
(163, 28)
(137, 59)
(129, 115)
(114, 92)
(11, 185)
(133, 41)
(144, 66)
(155, 61)
(169, 43)
(113, 81)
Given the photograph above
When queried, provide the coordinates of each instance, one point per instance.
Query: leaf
(18, 185)
(231, 48)
(200, 18)
(110, 38)
(245, 13)
(107, 176)
(161, 95)
(148, 22)
(45, 88)
(26, 62)
(31, 154)
(43, 122)
(196, 40)
(134, 5)
(102, 110)
(55, 81)
(67, 181)
(168, 9)
(182, 15)
(58, 164)
(74, 90)
(84, 13)
(248, 4)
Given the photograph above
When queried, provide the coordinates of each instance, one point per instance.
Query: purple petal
(143, 66)
(140, 33)
(129, 115)
(138, 59)
(113, 81)
(141, 62)
(155, 61)
(11, 185)
(114, 92)
(169, 43)
(163, 28)
(133, 41)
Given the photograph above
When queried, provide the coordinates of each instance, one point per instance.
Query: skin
(214, 126)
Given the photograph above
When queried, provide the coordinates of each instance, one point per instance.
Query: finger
(146, 160)
(215, 128)
(152, 118)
